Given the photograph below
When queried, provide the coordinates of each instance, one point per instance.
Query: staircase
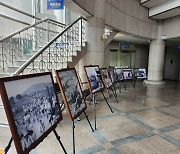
(44, 46)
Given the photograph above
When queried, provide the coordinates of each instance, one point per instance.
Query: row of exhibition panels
(33, 108)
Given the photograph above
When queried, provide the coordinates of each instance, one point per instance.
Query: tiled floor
(145, 121)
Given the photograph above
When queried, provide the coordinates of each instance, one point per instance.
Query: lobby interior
(122, 34)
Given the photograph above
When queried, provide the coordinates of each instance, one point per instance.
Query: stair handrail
(28, 27)
(14, 19)
(28, 62)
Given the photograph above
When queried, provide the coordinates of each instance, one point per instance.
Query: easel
(73, 131)
(94, 104)
(123, 82)
(114, 93)
(57, 137)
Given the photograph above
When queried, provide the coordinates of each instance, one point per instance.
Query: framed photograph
(136, 72)
(112, 74)
(142, 73)
(71, 92)
(31, 107)
(106, 78)
(94, 78)
(127, 72)
(119, 74)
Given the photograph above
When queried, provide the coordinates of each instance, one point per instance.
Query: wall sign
(55, 4)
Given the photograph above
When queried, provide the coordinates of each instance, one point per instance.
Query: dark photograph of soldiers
(72, 91)
(94, 77)
(127, 74)
(106, 77)
(119, 74)
(142, 73)
(113, 74)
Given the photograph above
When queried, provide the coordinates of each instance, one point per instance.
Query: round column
(95, 44)
(156, 62)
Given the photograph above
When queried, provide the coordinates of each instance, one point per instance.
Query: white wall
(9, 26)
(172, 70)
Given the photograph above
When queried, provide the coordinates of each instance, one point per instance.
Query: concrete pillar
(95, 44)
(156, 62)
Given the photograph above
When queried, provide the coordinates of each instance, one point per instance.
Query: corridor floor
(145, 121)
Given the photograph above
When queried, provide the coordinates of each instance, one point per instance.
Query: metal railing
(57, 52)
(18, 46)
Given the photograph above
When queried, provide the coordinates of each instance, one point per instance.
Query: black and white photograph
(127, 73)
(106, 78)
(136, 72)
(33, 105)
(113, 74)
(71, 90)
(119, 74)
(142, 73)
(94, 78)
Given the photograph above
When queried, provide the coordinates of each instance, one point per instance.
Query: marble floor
(145, 121)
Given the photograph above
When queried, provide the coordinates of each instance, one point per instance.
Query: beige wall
(141, 58)
(171, 27)
(129, 16)
(125, 15)
(88, 5)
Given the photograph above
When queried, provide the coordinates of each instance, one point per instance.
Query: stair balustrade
(18, 47)
(57, 52)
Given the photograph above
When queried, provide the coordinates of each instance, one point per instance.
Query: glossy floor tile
(146, 120)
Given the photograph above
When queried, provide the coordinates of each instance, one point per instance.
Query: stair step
(5, 75)
(28, 56)
(3, 118)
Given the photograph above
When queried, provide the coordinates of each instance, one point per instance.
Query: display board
(94, 78)
(127, 72)
(119, 74)
(136, 72)
(140, 73)
(113, 74)
(106, 78)
(71, 92)
(31, 107)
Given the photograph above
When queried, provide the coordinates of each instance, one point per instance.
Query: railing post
(48, 30)
(3, 59)
(81, 31)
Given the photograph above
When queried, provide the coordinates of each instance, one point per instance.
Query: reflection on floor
(145, 121)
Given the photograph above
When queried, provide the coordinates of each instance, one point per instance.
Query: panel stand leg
(107, 102)
(73, 127)
(124, 84)
(133, 83)
(88, 121)
(115, 89)
(144, 84)
(94, 103)
(120, 86)
(115, 96)
(58, 138)
(8, 146)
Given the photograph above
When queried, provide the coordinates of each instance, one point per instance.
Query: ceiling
(168, 14)
(162, 9)
(174, 43)
(130, 39)
(152, 3)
